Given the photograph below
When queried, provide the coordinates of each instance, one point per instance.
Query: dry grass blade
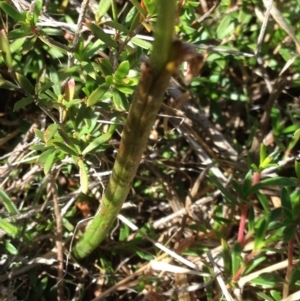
(277, 15)
(159, 245)
(272, 268)
(219, 278)
(292, 297)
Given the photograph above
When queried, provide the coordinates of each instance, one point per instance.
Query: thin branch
(51, 188)
(84, 6)
(208, 13)
(259, 59)
(263, 27)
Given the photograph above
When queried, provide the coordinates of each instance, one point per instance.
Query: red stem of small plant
(242, 226)
(244, 211)
(238, 274)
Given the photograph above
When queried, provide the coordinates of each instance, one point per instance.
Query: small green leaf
(69, 140)
(251, 219)
(109, 79)
(141, 43)
(124, 233)
(48, 31)
(137, 5)
(73, 102)
(125, 89)
(262, 153)
(247, 182)
(70, 90)
(38, 5)
(12, 12)
(268, 280)
(151, 6)
(96, 95)
(224, 190)
(226, 256)
(89, 52)
(84, 181)
(55, 80)
(254, 167)
(66, 149)
(8, 203)
(100, 34)
(266, 163)
(236, 257)
(275, 237)
(264, 296)
(260, 232)
(17, 45)
(263, 201)
(69, 227)
(49, 161)
(117, 26)
(295, 276)
(114, 10)
(276, 295)
(7, 85)
(10, 248)
(133, 19)
(143, 254)
(294, 139)
(96, 142)
(103, 7)
(297, 169)
(39, 134)
(288, 233)
(254, 263)
(225, 28)
(286, 204)
(54, 49)
(9, 228)
(43, 87)
(117, 100)
(281, 181)
(50, 132)
(238, 188)
(295, 197)
(122, 70)
(23, 103)
(45, 154)
(25, 84)
(5, 48)
(291, 129)
(106, 67)
(22, 32)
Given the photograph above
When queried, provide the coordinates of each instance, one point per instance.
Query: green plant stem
(153, 82)
(164, 29)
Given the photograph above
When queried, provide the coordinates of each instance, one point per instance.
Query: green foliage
(8, 204)
(268, 280)
(76, 92)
